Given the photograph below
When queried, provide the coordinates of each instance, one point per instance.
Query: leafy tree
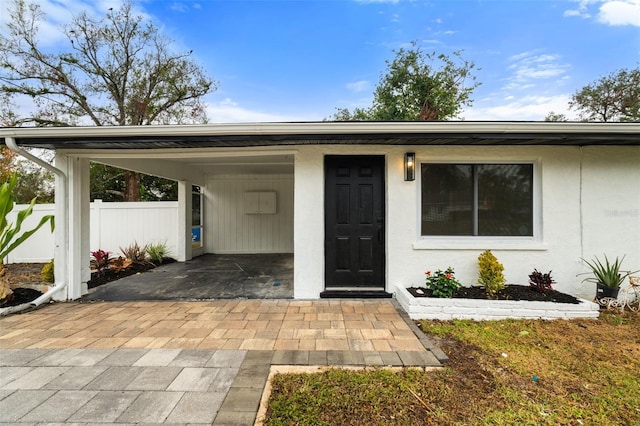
(419, 86)
(554, 116)
(614, 97)
(117, 70)
(109, 184)
(34, 183)
(7, 165)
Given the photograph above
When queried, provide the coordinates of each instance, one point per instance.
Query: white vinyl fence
(113, 225)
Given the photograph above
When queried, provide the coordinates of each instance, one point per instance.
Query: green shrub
(157, 252)
(491, 276)
(135, 253)
(46, 273)
(442, 284)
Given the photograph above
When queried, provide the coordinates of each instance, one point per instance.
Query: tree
(7, 166)
(117, 70)
(109, 184)
(614, 97)
(419, 86)
(554, 116)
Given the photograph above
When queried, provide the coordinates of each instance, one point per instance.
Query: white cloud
(528, 67)
(582, 11)
(358, 86)
(620, 12)
(179, 7)
(528, 108)
(610, 12)
(228, 111)
(534, 86)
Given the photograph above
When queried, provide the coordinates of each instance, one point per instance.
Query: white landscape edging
(480, 309)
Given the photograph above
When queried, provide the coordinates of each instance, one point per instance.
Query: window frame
(446, 242)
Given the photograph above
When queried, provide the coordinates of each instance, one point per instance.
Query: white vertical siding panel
(237, 232)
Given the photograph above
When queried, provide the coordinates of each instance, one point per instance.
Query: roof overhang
(314, 133)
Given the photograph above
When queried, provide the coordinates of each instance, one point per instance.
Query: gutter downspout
(61, 282)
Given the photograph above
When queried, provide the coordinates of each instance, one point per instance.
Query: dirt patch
(510, 292)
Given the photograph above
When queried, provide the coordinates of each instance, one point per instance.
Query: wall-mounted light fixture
(410, 166)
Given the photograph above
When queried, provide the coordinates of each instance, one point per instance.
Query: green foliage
(109, 184)
(553, 116)
(46, 274)
(607, 273)
(491, 276)
(157, 252)
(135, 253)
(342, 397)
(10, 236)
(34, 182)
(614, 97)
(442, 284)
(419, 86)
(541, 282)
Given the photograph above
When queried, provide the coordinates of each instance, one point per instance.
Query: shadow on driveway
(245, 276)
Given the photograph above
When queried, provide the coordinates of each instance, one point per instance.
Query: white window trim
(531, 243)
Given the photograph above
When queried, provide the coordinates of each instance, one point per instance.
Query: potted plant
(607, 276)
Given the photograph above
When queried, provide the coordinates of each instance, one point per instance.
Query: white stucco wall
(586, 202)
(611, 204)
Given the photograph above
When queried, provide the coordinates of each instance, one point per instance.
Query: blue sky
(298, 60)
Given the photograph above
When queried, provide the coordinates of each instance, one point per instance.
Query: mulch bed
(29, 273)
(510, 292)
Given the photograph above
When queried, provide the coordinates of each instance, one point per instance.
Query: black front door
(354, 222)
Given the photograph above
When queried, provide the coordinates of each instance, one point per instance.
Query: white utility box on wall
(260, 202)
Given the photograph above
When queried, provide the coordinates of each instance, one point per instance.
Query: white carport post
(185, 248)
(76, 204)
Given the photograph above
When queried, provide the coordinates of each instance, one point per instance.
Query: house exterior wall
(586, 202)
(229, 228)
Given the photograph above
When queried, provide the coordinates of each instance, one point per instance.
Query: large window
(477, 199)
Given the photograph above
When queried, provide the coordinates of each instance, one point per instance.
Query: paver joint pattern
(185, 362)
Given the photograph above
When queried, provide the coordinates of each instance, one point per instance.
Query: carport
(206, 277)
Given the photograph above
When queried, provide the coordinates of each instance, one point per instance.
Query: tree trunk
(132, 190)
(5, 291)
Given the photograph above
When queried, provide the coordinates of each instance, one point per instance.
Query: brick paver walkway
(185, 362)
(319, 325)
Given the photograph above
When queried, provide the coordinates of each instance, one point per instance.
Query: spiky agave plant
(607, 273)
(10, 237)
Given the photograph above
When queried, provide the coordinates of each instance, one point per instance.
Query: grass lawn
(500, 372)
